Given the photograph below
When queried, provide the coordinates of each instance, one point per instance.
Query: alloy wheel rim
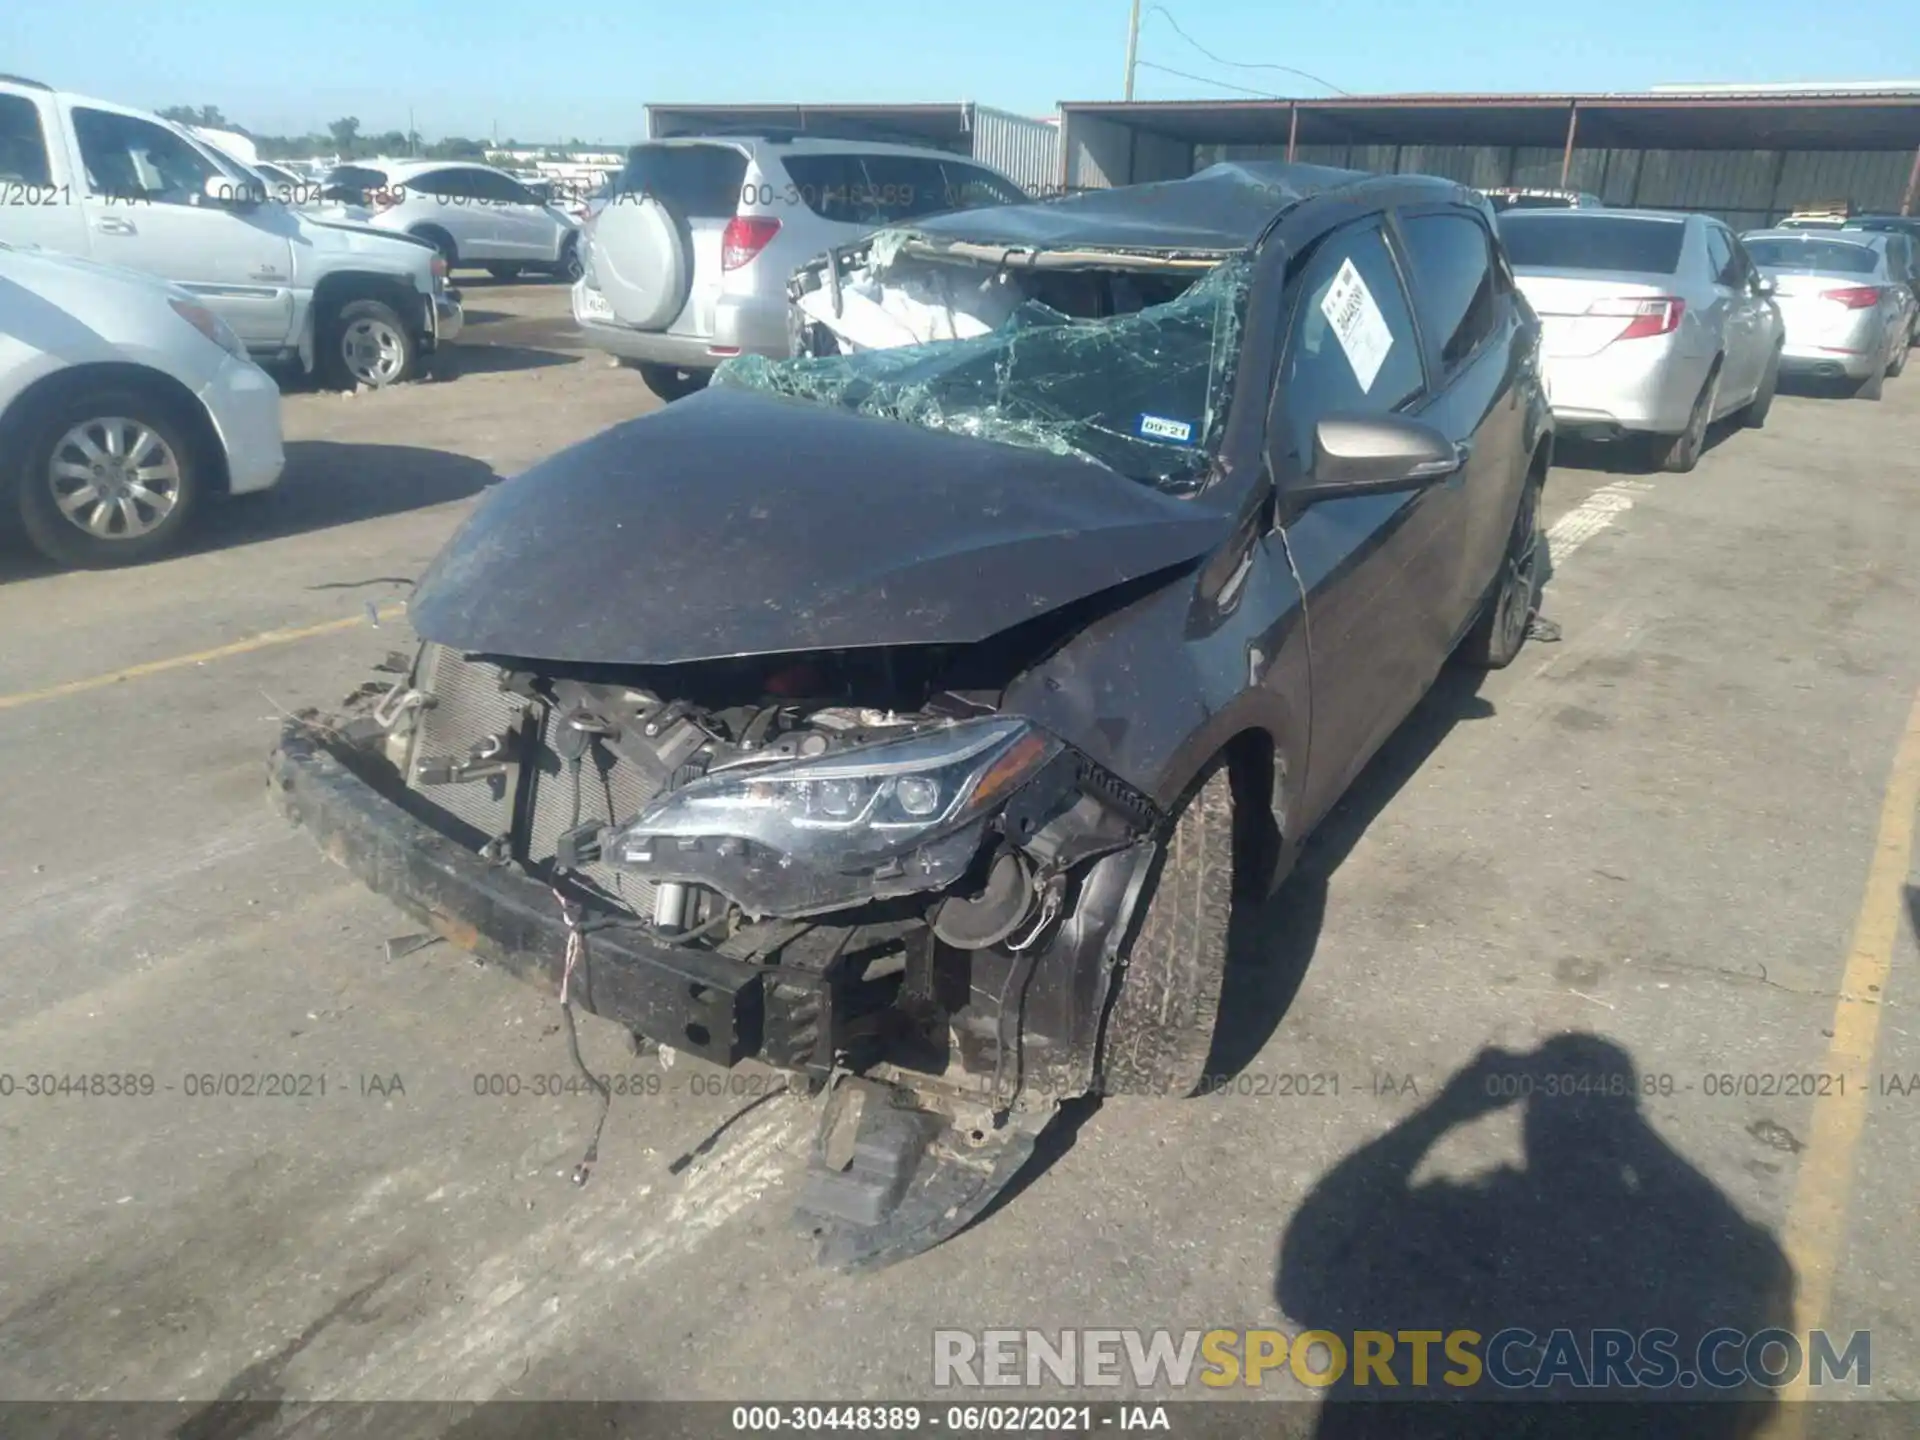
(375, 351)
(114, 478)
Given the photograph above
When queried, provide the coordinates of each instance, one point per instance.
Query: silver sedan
(1848, 316)
(1653, 325)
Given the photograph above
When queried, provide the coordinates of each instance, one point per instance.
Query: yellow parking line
(199, 657)
(1817, 1222)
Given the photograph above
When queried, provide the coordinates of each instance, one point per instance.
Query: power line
(1202, 79)
(1234, 64)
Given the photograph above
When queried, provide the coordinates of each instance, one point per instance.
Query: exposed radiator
(610, 790)
(469, 706)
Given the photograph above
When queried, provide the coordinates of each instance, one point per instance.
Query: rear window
(1593, 242)
(702, 182)
(1835, 257)
(1532, 202)
(23, 151)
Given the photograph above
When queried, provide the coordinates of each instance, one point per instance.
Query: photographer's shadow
(1605, 1227)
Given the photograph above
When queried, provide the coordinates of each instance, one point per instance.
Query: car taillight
(439, 267)
(745, 237)
(1854, 297)
(1649, 315)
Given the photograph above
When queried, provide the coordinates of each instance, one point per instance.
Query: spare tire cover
(641, 261)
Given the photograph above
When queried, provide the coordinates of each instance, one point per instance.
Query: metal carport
(1748, 156)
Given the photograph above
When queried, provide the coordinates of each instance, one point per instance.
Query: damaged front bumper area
(940, 1000)
(695, 1000)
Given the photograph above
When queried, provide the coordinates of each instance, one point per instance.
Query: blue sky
(545, 70)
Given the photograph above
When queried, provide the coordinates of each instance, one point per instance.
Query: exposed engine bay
(737, 792)
(863, 835)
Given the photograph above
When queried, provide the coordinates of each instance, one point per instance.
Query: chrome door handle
(114, 225)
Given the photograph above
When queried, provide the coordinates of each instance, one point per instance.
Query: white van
(124, 187)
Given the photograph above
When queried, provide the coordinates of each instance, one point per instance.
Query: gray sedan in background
(1654, 325)
(1848, 316)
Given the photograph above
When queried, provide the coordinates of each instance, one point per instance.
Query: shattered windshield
(1144, 393)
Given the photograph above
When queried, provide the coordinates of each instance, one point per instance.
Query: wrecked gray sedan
(909, 714)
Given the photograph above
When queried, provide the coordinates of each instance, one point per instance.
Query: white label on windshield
(1357, 324)
(1162, 429)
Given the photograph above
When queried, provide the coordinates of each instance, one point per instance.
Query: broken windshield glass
(1143, 393)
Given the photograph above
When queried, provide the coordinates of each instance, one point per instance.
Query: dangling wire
(577, 957)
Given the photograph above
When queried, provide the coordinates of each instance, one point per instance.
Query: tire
(367, 343)
(1678, 454)
(504, 272)
(441, 241)
(572, 266)
(1496, 637)
(1873, 387)
(1899, 361)
(1159, 1029)
(670, 382)
(1755, 415)
(104, 416)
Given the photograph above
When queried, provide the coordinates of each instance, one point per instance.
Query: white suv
(124, 403)
(688, 253)
(472, 214)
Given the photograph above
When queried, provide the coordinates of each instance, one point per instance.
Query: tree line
(343, 138)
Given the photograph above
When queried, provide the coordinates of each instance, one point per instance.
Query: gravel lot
(1665, 830)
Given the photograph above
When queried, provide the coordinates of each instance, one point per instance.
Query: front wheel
(1505, 614)
(1899, 361)
(1159, 1031)
(110, 480)
(367, 343)
(571, 266)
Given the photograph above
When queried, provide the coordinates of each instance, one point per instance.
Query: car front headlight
(805, 836)
(210, 325)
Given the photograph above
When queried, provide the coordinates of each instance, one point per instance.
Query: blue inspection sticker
(1157, 427)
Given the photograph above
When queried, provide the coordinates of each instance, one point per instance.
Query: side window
(832, 186)
(1451, 258)
(444, 185)
(969, 187)
(134, 159)
(502, 189)
(1720, 257)
(1353, 347)
(23, 146)
(903, 187)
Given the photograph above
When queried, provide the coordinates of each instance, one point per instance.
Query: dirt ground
(1682, 832)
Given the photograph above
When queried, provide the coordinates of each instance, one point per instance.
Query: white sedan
(124, 403)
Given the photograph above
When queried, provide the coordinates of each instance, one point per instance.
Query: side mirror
(232, 194)
(1375, 455)
(1764, 285)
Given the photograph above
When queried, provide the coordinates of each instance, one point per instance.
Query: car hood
(734, 523)
(345, 236)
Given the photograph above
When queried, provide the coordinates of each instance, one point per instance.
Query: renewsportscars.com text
(1509, 1359)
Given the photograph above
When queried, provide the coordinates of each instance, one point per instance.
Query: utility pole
(410, 140)
(1133, 46)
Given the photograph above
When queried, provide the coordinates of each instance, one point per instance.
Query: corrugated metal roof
(1731, 120)
(1560, 98)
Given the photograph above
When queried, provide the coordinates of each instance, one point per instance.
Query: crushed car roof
(1220, 210)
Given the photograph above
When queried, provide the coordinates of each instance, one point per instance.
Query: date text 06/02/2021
(948, 1419)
